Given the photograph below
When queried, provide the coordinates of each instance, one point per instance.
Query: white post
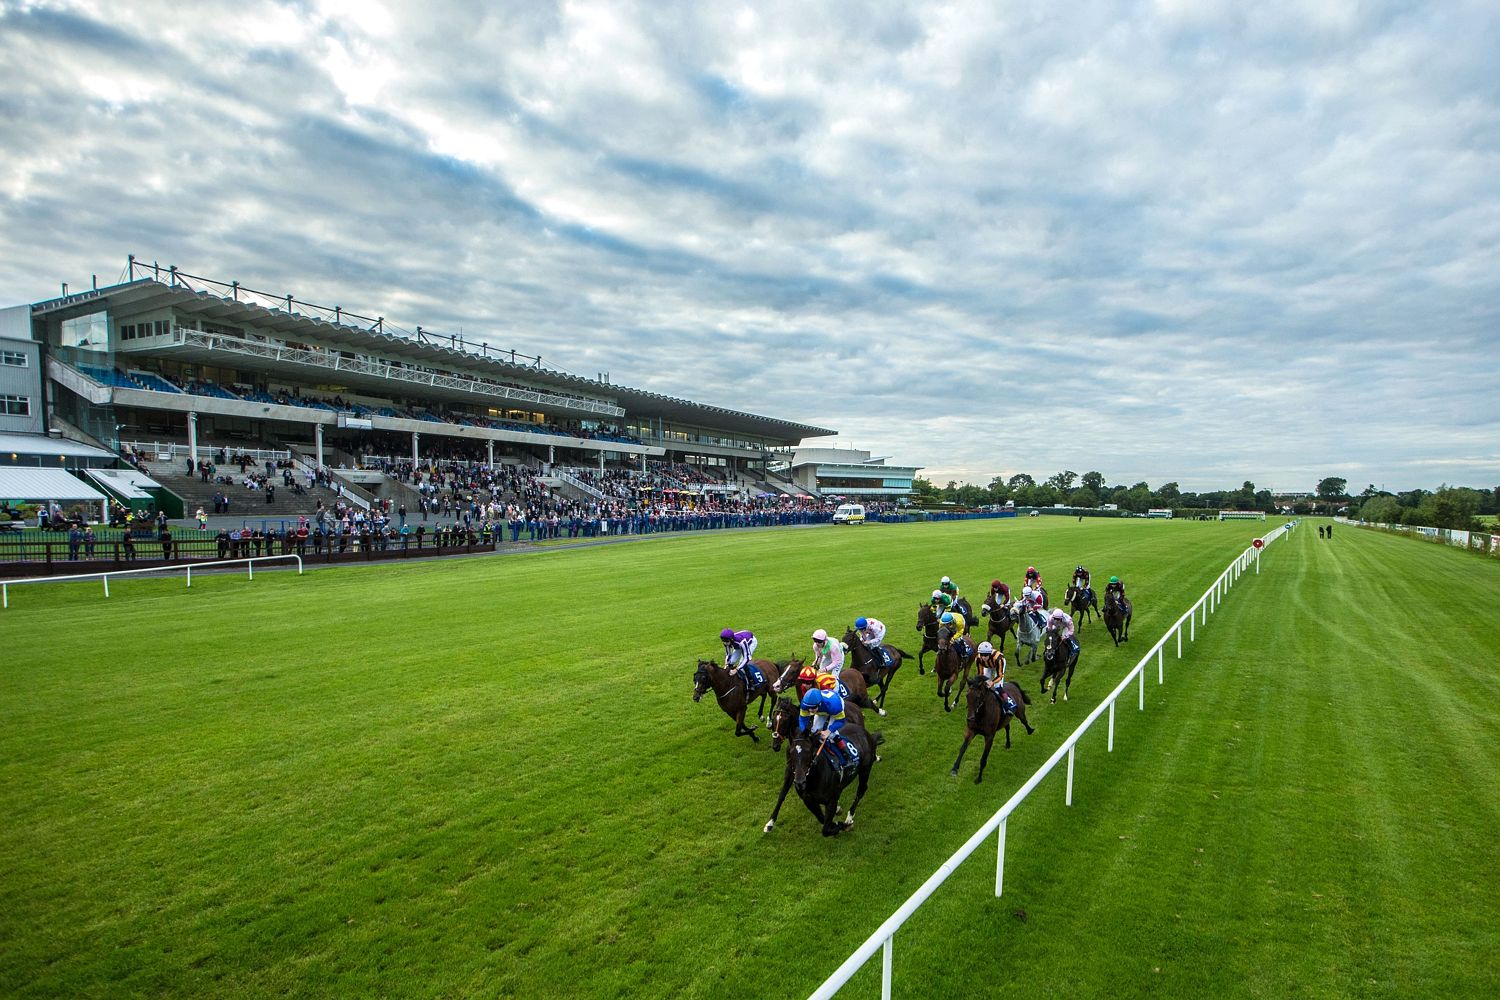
(885, 971)
(601, 462)
(1160, 667)
(190, 576)
(318, 444)
(999, 860)
(1070, 773)
(251, 567)
(416, 456)
(1193, 627)
(1111, 747)
(4, 595)
(1257, 562)
(1143, 687)
(1179, 640)
(105, 577)
(489, 451)
(193, 437)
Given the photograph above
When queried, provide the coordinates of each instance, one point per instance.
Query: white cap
(937, 594)
(985, 647)
(820, 636)
(1025, 591)
(946, 580)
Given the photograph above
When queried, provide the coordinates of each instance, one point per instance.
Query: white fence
(882, 938)
(249, 565)
(1479, 541)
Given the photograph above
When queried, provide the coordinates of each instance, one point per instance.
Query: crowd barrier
(1476, 541)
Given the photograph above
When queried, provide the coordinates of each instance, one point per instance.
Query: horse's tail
(1025, 698)
(900, 652)
(877, 738)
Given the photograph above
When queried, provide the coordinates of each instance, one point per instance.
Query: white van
(849, 513)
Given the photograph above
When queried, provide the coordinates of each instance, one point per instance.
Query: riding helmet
(985, 649)
(947, 617)
(727, 634)
(1114, 579)
(861, 622)
(827, 682)
(994, 584)
(820, 636)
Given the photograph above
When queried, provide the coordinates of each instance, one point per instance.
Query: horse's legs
(786, 786)
(740, 729)
(859, 791)
(968, 735)
(1020, 713)
(989, 741)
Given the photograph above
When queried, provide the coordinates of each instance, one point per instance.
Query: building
(183, 366)
(851, 473)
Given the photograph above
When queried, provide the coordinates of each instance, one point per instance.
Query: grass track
(445, 779)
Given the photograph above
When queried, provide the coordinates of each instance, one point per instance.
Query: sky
(1202, 242)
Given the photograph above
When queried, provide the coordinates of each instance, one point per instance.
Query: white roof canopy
(44, 484)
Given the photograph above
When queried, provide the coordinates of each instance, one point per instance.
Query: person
(936, 600)
(828, 654)
(991, 666)
(1031, 600)
(1062, 622)
(823, 713)
(1033, 578)
(947, 586)
(999, 595)
(957, 628)
(202, 520)
(1115, 585)
(739, 647)
(1081, 580)
(807, 680)
(872, 634)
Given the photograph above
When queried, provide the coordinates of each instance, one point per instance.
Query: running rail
(248, 563)
(882, 938)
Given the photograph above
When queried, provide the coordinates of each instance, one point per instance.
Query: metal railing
(249, 565)
(335, 361)
(579, 484)
(153, 450)
(881, 940)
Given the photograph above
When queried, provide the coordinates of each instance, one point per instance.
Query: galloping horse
(948, 666)
(1029, 634)
(785, 713)
(731, 693)
(1117, 614)
(927, 624)
(852, 687)
(820, 782)
(1001, 622)
(1082, 602)
(873, 670)
(1058, 660)
(985, 715)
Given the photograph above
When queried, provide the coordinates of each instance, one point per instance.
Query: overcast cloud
(1193, 241)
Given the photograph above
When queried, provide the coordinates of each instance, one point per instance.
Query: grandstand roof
(49, 447)
(44, 484)
(148, 293)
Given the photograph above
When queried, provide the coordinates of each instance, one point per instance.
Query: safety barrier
(249, 565)
(882, 938)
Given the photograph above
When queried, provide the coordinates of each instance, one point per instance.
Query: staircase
(243, 503)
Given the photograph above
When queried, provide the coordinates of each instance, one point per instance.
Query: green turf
(485, 777)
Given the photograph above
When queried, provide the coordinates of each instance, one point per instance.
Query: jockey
(739, 647)
(1032, 600)
(936, 600)
(1033, 578)
(828, 654)
(1115, 585)
(1063, 623)
(957, 628)
(999, 594)
(991, 664)
(807, 680)
(823, 710)
(872, 634)
(1081, 581)
(947, 586)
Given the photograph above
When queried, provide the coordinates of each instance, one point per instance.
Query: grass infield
(485, 777)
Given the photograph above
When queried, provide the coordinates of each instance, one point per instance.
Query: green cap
(1114, 579)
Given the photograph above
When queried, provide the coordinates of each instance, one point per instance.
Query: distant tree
(1169, 494)
(1063, 481)
(1264, 501)
(1083, 497)
(1301, 507)
(1137, 499)
(1093, 481)
(1381, 510)
(925, 491)
(1332, 488)
(1019, 481)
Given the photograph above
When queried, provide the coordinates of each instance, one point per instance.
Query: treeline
(1449, 507)
(1090, 490)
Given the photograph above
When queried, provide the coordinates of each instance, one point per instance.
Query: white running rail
(881, 939)
(249, 565)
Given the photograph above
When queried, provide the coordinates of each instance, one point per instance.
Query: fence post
(1193, 627)
(105, 578)
(250, 565)
(1069, 800)
(885, 971)
(1111, 747)
(190, 576)
(1160, 669)
(999, 862)
(1179, 640)
(1142, 675)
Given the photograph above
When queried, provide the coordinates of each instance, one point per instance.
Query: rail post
(1160, 667)
(999, 861)
(1111, 746)
(1179, 640)
(1142, 677)
(885, 970)
(1069, 799)
(190, 576)
(105, 578)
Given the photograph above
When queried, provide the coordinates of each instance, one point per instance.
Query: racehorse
(985, 715)
(852, 687)
(820, 782)
(1082, 602)
(927, 624)
(1117, 614)
(948, 666)
(1058, 660)
(962, 607)
(731, 693)
(1029, 634)
(873, 669)
(1001, 622)
(785, 713)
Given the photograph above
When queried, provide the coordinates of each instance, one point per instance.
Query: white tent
(18, 483)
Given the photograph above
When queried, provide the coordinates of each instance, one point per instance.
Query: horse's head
(783, 721)
(701, 680)
(925, 616)
(804, 749)
(788, 673)
(1053, 637)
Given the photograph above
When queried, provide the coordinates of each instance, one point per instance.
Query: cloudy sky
(1175, 240)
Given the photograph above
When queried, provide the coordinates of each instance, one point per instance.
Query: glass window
(15, 406)
(15, 359)
(89, 333)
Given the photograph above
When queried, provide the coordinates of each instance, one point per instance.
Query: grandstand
(204, 368)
